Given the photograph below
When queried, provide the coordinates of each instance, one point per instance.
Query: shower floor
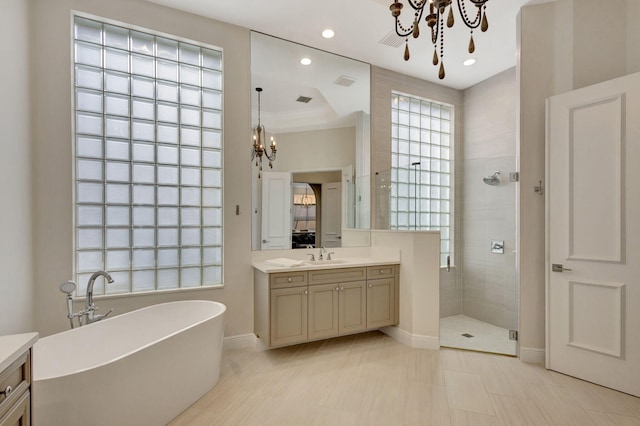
(486, 337)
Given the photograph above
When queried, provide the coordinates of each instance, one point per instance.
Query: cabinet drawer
(17, 378)
(287, 279)
(325, 276)
(385, 271)
(20, 412)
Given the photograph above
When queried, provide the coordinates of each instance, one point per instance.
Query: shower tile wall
(450, 293)
(487, 281)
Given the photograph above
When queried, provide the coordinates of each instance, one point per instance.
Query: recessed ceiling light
(469, 62)
(305, 61)
(328, 33)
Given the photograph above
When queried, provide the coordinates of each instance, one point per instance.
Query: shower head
(68, 287)
(492, 180)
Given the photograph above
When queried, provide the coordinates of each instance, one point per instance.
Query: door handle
(557, 267)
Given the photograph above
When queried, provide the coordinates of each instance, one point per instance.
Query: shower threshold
(462, 332)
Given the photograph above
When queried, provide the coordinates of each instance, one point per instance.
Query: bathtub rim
(35, 377)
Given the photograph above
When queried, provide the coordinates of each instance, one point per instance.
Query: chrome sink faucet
(322, 252)
(89, 306)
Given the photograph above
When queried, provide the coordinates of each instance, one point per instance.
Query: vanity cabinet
(337, 302)
(288, 316)
(381, 297)
(15, 382)
(301, 306)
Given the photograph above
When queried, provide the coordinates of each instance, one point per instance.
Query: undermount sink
(324, 262)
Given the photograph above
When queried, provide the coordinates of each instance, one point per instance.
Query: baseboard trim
(416, 341)
(532, 355)
(240, 341)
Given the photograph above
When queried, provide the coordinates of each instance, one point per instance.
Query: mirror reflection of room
(304, 216)
(319, 115)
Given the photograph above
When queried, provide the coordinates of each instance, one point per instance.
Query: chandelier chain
(463, 9)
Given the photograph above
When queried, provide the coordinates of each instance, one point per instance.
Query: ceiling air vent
(303, 99)
(345, 81)
(392, 39)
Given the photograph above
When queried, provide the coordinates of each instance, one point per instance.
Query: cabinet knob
(341, 288)
(369, 285)
(7, 391)
(337, 288)
(381, 271)
(289, 279)
(306, 292)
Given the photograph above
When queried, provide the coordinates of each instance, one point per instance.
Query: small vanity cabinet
(306, 305)
(15, 379)
(287, 301)
(381, 296)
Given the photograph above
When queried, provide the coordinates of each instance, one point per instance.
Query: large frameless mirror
(318, 114)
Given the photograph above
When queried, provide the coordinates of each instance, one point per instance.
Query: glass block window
(421, 172)
(148, 160)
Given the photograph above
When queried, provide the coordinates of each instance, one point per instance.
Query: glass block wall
(148, 160)
(421, 167)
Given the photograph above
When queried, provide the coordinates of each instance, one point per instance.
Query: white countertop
(13, 346)
(349, 262)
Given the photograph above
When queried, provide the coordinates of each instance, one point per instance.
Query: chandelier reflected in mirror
(259, 137)
(435, 19)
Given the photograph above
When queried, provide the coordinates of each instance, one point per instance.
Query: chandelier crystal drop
(435, 19)
(259, 137)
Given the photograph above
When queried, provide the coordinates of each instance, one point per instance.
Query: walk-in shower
(479, 297)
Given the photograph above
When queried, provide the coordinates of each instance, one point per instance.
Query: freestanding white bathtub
(140, 368)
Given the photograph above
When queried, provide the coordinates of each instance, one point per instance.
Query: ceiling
(338, 87)
(361, 25)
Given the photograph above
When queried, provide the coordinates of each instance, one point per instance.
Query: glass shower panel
(485, 266)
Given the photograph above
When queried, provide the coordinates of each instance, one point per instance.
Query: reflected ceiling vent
(303, 99)
(392, 39)
(344, 81)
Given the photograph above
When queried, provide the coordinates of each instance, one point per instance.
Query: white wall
(16, 284)
(557, 54)
(419, 285)
(53, 204)
(329, 149)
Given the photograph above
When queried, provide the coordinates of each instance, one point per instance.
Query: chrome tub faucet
(89, 306)
(87, 315)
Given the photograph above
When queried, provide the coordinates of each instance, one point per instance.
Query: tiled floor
(371, 379)
(486, 337)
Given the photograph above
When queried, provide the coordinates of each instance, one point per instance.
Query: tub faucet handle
(99, 317)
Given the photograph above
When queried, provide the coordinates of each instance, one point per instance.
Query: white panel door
(276, 210)
(331, 214)
(593, 234)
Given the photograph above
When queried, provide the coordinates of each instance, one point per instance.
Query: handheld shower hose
(68, 288)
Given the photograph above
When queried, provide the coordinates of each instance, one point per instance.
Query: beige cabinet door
(353, 307)
(20, 413)
(288, 316)
(381, 304)
(323, 311)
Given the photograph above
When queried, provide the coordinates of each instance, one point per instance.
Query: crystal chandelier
(258, 149)
(435, 21)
